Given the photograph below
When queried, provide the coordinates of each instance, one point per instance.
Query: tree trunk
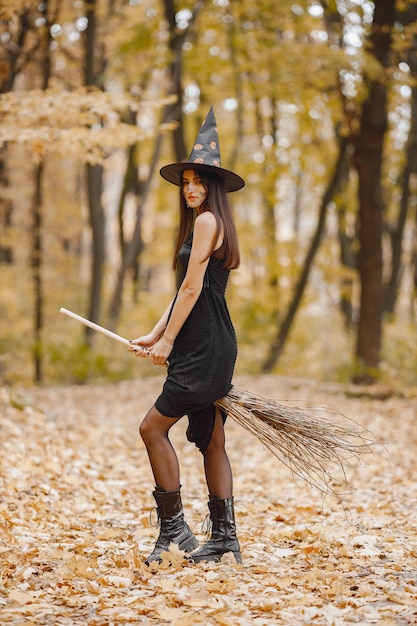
(348, 261)
(347, 241)
(36, 255)
(410, 167)
(36, 265)
(278, 343)
(368, 157)
(397, 232)
(177, 37)
(97, 223)
(6, 210)
(414, 269)
(268, 203)
(94, 68)
(11, 63)
(131, 185)
(134, 247)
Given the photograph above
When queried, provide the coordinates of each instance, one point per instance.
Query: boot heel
(189, 544)
(238, 557)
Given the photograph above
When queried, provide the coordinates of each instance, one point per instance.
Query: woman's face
(193, 189)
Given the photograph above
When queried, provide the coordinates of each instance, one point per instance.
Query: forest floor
(75, 501)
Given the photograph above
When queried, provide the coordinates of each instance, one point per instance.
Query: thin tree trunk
(368, 156)
(130, 186)
(134, 247)
(6, 210)
(36, 257)
(94, 68)
(348, 255)
(348, 261)
(177, 37)
(11, 61)
(173, 112)
(410, 168)
(414, 269)
(397, 232)
(278, 343)
(238, 83)
(97, 223)
(268, 208)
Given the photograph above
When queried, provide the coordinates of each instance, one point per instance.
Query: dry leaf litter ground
(75, 500)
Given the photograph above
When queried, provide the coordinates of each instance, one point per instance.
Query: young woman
(196, 335)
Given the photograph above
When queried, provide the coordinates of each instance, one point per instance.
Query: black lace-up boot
(223, 533)
(173, 528)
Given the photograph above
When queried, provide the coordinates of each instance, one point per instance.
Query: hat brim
(173, 172)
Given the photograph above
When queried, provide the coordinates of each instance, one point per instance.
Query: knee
(216, 445)
(147, 429)
(152, 429)
(144, 430)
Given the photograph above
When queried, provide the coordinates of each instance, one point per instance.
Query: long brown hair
(216, 202)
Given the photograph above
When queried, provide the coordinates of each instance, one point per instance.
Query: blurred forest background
(316, 103)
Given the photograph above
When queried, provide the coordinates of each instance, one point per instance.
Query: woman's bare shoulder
(205, 229)
(205, 220)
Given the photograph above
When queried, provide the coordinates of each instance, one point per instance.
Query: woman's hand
(141, 346)
(160, 352)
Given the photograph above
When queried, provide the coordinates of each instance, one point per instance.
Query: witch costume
(200, 367)
(314, 447)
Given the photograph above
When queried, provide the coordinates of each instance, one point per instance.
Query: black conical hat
(204, 157)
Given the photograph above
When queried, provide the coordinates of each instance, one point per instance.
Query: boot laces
(154, 523)
(207, 525)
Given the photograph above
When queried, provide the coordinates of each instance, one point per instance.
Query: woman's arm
(204, 232)
(151, 338)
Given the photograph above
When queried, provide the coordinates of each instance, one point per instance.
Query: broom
(314, 448)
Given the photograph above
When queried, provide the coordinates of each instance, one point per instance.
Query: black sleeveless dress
(203, 357)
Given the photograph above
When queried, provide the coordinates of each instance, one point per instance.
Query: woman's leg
(163, 459)
(216, 462)
(154, 431)
(220, 485)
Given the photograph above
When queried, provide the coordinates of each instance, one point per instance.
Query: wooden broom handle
(102, 330)
(96, 327)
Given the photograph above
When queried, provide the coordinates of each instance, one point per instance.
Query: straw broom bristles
(311, 446)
